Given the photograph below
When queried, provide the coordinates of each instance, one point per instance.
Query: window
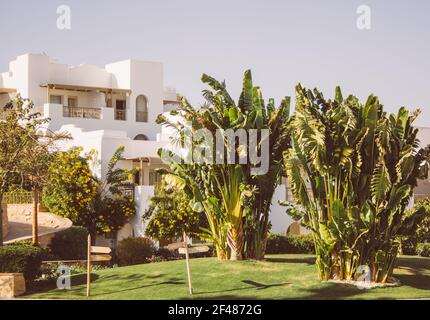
(72, 102)
(154, 178)
(141, 109)
(55, 99)
(120, 110)
(137, 177)
(141, 137)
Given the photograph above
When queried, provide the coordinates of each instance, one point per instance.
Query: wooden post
(190, 285)
(34, 225)
(89, 266)
(141, 172)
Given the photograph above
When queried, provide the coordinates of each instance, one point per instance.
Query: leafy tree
(75, 193)
(235, 200)
(37, 158)
(421, 234)
(25, 154)
(170, 214)
(72, 188)
(352, 172)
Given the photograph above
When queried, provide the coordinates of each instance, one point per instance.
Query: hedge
(423, 249)
(135, 251)
(278, 244)
(70, 244)
(21, 258)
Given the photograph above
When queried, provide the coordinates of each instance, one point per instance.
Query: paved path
(20, 227)
(18, 230)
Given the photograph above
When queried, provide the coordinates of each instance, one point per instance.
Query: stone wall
(20, 212)
(5, 221)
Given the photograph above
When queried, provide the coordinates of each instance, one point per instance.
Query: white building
(103, 108)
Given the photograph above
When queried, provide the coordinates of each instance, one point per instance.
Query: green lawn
(280, 277)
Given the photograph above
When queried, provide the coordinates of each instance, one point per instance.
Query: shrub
(289, 244)
(423, 249)
(46, 253)
(70, 244)
(21, 258)
(421, 235)
(134, 251)
(166, 254)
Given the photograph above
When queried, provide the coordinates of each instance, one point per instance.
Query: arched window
(141, 109)
(141, 137)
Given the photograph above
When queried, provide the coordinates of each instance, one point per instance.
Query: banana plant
(352, 170)
(236, 200)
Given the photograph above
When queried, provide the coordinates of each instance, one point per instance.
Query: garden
(352, 169)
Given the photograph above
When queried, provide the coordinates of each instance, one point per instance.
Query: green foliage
(21, 258)
(352, 171)
(70, 244)
(423, 249)
(420, 235)
(71, 189)
(132, 251)
(235, 199)
(170, 214)
(291, 244)
(75, 193)
(166, 254)
(20, 146)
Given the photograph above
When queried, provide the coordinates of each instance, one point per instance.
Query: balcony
(81, 112)
(120, 114)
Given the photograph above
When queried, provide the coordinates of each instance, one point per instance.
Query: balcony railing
(81, 112)
(141, 116)
(119, 114)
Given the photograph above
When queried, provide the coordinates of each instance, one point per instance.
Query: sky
(283, 42)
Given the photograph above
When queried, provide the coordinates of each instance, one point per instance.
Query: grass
(279, 277)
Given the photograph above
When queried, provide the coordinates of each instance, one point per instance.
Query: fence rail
(81, 112)
(120, 114)
(20, 197)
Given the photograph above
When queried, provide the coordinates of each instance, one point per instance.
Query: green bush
(21, 258)
(423, 249)
(277, 244)
(166, 254)
(134, 251)
(421, 235)
(46, 253)
(70, 244)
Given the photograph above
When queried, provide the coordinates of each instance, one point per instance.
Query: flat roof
(84, 88)
(7, 90)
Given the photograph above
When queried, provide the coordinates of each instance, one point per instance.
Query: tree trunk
(34, 215)
(1, 220)
(235, 242)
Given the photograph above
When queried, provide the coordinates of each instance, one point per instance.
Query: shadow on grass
(81, 279)
(260, 286)
(253, 285)
(48, 285)
(417, 281)
(331, 291)
(169, 282)
(417, 267)
(417, 263)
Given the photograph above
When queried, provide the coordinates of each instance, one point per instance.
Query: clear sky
(283, 42)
